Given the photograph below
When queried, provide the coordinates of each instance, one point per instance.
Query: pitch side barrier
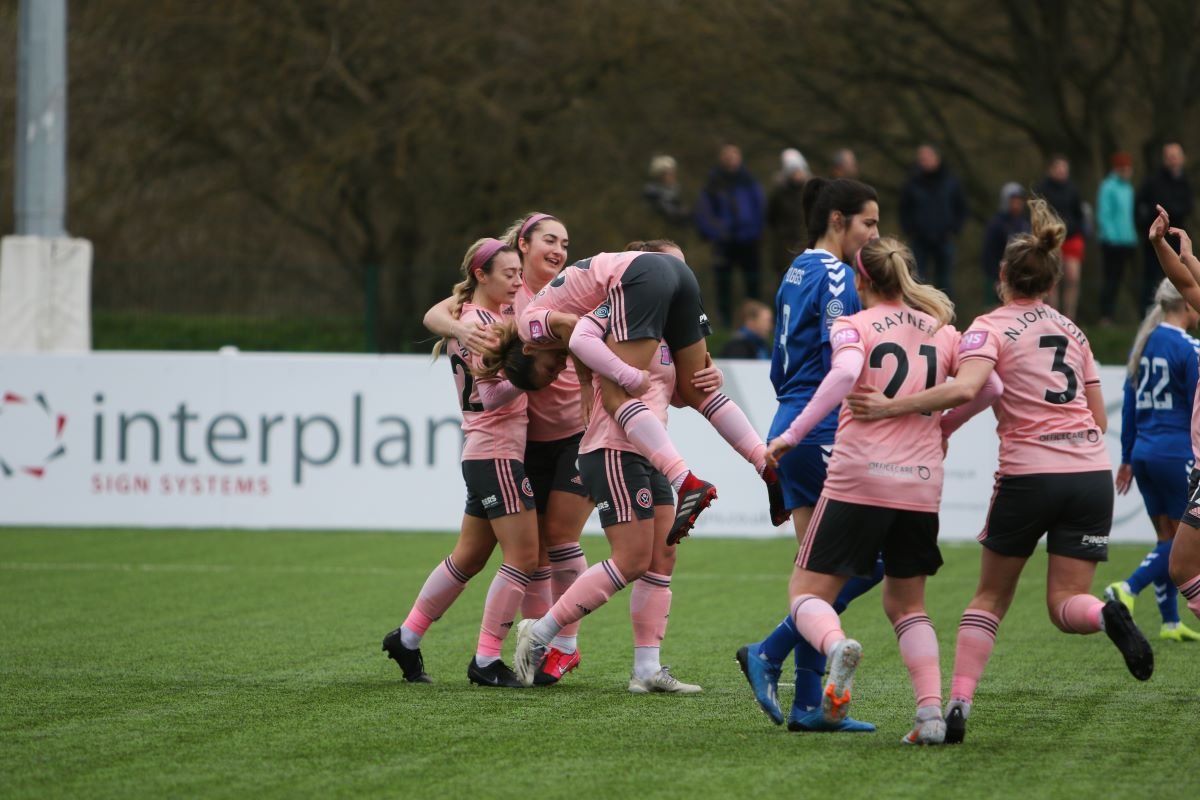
(343, 442)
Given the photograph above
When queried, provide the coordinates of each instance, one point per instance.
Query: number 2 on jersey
(456, 363)
(926, 351)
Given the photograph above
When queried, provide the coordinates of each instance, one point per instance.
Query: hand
(475, 335)
(775, 451)
(641, 387)
(1160, 225)
(869, 403)
(1124, 478)
(1185, 242)
(708, 379)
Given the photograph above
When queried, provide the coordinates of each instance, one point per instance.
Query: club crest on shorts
(643, 498)
(602, 311)
(526, 487)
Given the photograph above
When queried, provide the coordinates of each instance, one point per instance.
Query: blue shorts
(1163, 483)
(802, 472)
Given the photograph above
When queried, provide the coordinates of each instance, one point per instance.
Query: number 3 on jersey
(885, 349)
(1060, 397)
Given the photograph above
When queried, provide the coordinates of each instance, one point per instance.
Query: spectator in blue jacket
(932, 212)
(1011, 218)
(730, 213)
(1116, 230)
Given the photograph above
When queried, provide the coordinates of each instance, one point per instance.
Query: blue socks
(810, 664)
(1166, 595)
(1153, 568)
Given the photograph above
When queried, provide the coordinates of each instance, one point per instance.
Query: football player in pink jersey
(884, 484)
(1183, 269)
(651, 297)
(552, 443)
(500, 500)
(1054, 477)
(635, 504)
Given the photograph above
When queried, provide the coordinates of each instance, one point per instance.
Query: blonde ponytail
(1166, 299)
(889, 265)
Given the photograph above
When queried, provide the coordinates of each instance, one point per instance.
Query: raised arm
(1181, 269)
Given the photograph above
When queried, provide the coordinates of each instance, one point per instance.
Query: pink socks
(1191, 591)
(503, 598)
(976, 638)
(817, 622)
(919, 649)
(1079, 613)
(730, 421)
(537, 599)
(441, 589)
(649, 607)
(567, 563)
(647, 433)
(591, 590)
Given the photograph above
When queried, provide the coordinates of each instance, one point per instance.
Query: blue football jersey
(1157, 412)
(817, 289)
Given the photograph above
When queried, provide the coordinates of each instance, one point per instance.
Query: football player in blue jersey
(842, 215)
(1156, 448)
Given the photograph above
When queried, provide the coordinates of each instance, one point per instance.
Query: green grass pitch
(235, 664)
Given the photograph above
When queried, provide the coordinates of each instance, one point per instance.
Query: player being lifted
(651, 297)
(1054, 477)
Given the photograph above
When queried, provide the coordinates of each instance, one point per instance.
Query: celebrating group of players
(862, 484)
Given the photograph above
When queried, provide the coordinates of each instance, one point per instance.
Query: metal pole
(41, 168)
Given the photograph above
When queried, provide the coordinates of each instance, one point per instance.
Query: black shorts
(657, 298)
(1191, 514)
(623, 485)
(496, 488)
(1073, 509)
(553, 467)
(848, 538)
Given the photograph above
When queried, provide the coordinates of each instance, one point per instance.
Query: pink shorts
(1073, 247)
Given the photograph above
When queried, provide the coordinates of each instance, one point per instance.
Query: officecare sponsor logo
(179, 447)
(899, 470)
(31, 435)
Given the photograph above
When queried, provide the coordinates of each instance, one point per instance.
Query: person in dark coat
(1168, 187)
(730, 213)
(1012, 218)
(932, 212)
(1058, 190)
(785, 211)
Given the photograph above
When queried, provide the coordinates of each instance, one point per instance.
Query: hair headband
(485, 252)
(534, 219)
(859, 266)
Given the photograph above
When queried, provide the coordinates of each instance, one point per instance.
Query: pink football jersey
(1045, 361)
(603, 432)
(556, 411)
(490, 434)
(578, 290)
(897, 462)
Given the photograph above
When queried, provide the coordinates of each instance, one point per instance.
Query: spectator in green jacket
(1116, 230)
